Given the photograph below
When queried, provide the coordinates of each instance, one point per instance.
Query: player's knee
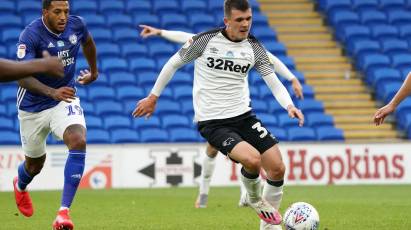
(211, 151)
(253, 162)
(277, 172)
(76, 141)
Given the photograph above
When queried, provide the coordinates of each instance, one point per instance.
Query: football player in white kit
(223, 58)
(208, 164)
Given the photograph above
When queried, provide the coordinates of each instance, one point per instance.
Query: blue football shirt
(36, 38)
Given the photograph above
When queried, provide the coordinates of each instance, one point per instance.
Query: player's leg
(273, 188)
(69, 125)
(33, 131)
(207, 171)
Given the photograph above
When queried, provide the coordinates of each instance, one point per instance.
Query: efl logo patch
(21, 51)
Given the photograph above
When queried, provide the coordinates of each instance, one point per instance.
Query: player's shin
(206, 174)
(252, 184)
(24, 177)
(273, 192)
(73, 172)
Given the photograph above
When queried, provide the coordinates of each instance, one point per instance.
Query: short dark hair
(47, 3)
(229, 5)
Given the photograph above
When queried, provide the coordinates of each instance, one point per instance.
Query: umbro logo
(50, 45)
(228, 141)
(213, 50)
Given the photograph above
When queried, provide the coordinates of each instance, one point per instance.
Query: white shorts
(35, 127)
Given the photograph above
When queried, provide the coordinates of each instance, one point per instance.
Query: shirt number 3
(260, 129)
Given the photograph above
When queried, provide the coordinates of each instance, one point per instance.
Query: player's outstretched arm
(402, 93)
(170, 35)
(90, 52)
(282, 69)
(12, 70)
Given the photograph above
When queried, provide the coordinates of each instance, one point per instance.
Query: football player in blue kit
(49, 105)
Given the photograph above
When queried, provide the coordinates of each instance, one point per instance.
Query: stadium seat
(383, 32)
(167, 106)
(259, 106)
(146, 79)
(161, 50)
(401, 60)
(301, 134)
(331, 6)
(260, 20)
(87, 106)
(279, 133)
(365, 5)
(275, 108)
(116, 122)
(353, 33)
(11, 109)
(125, 36)
(120, 21)
(183, 135)
(8, 94)
(93, 122)
(187, 107)
(6, 123)
(329, 134)
(3, 110)
(202, 20)
(146, 19)
(276, 48)
(121, 78)
(100, 93)
(108, 7)
(394, 46)
(263, 34)
(9, 138)
(113, 64)
(381, 76)
(94, 20)
(173, 20)
(10, 21)
(81, 92)
(183, 93)
(11, 36)
(27, 7)
(389, 90)
(193, 7)
(132, 51)
(373, 17)
(153, 135)
(142, 123)
(124, 135)
(369, 62)
(138, 6)
(3, 51)
(182, 79)
(392, 5)
(174, 121)
(166, 7)
(7, 7)
(268, 119)
(98, 136)
(310, 105)
(319, 120)
(284, 121)
(108, 107)
(108, 50)
(84, 8)
(142, 64)
(364, 47)
(343, 18)
(101, 35)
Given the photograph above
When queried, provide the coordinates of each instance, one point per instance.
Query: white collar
(42, 20)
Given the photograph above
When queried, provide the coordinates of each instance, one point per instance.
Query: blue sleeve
(26, 47)
(84, 30)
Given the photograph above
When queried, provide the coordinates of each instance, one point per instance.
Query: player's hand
(298, 89)
(65, 93)
(293, 112)
(382, 113)
(52, 65)
(145, 107)
(86, 77)
(148, 31)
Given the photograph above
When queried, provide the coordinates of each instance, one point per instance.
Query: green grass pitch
(340, 207)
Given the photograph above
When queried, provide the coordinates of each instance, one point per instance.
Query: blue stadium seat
(84, 7)
(128, 92)
(6, 123)
(8, 94)
(108, 107)
(167, 106)
(11, 36)
(93, 122)
(7, 7)
(138, 6)
(147, 19)
(275, 108)
(353, 33)
(286, 122)
(392, 5)
(183, 92)
(399, 17)
(81, 92)
(166, 7)
(87, 106)
(279, 133)
(382, 76)
(108, 7)
(403, 108)
(369, 62)
(259, 106)
(94, 20)
(301, 134)
(27, 7)
(343, 18)
(181, 79)
(10, 21)
(202, 20)
(308, 92)
(268, 119)
(287, 60)
(125, 35)
(3, 51)
(183, 135)
(173, 20)
(153, 135)
(365, 5)
(389, 90)
(101, 35)
(329, 134)
(405, 31)
(394, 46)
(116, 122)
(100, 93)
(364, 47)
(121, 78)
(9, 138)
(187, 107)
(336, 5)
(193, 7)
(276, 48)
(401, 60)
(310, 105)
(134, 50)
(319, 120)
(113, 64)
(373, 17)
(11, 109)
(161, 50)
(98, 136)
(146, 79)
(3, 110)
(120, 21)
(124, 135)
(260, 20)
(175, 121)
(264, 34)
(108, 50)
(139, 65)
(215, 6)
(383, 32)
(142, 123)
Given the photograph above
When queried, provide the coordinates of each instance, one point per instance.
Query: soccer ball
(301, 216)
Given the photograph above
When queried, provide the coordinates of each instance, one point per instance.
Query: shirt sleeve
(195, 46)
(280, 67)
(176, 36)
(26, 47)
(84, 30)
